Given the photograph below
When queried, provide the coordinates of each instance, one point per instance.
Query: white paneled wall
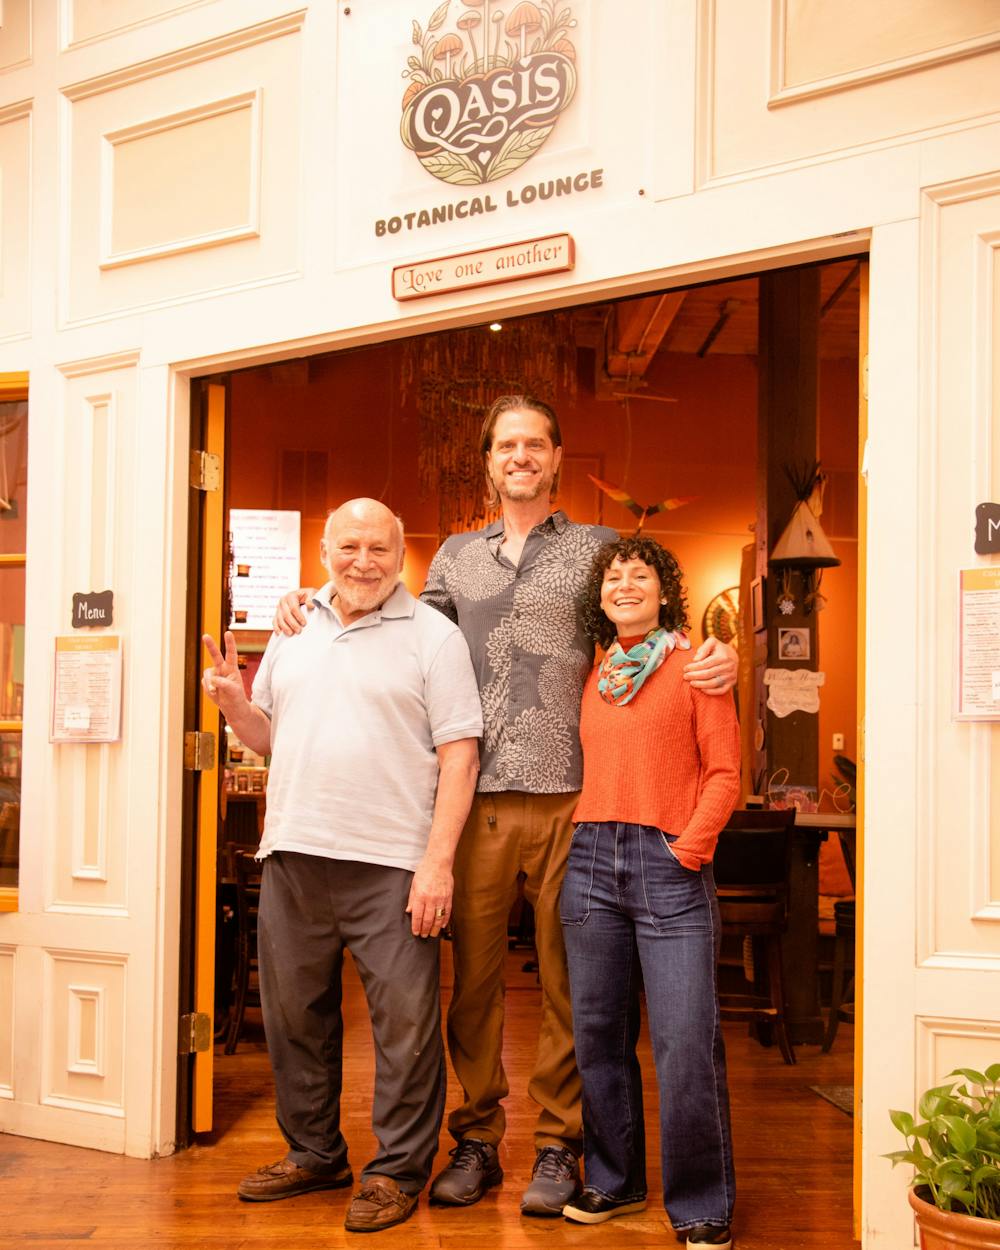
(194, 149)
(960, 912)
(187, 186)
(15, 224)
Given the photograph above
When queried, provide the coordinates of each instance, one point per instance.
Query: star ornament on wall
(643, 513)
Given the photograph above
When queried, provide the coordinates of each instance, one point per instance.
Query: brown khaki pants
(506, 834)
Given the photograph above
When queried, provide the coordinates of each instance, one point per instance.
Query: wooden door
(209, 539)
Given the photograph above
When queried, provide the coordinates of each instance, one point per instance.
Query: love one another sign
(529, 259)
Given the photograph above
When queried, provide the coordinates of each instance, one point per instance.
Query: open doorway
(658, 398)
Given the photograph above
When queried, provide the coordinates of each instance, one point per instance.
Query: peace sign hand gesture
(222, 682)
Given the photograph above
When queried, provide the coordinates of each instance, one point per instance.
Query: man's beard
(355, 598)
(521, 492)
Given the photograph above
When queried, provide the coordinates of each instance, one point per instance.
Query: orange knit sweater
(670, 758)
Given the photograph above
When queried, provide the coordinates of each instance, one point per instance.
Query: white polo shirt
(356, 714)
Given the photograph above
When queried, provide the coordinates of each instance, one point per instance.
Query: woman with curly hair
(660, 778)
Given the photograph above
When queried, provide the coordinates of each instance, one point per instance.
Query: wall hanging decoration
(786, 596)
(722, 617)
(454, 377)
(637, 509)
(793, 644)
(803, 545)
(792, 690)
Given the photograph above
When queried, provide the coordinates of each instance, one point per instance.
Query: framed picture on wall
(757, 605)
(793, 644)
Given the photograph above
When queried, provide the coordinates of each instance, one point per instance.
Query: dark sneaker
(717, 1236)
(474, 1167)
(285, 1179)
(378, 1204)
(594, 1208)
(555, 1179)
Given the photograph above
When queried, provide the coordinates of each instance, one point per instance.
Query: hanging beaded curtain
(455, 377)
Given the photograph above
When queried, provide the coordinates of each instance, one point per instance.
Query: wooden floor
(792, 1149)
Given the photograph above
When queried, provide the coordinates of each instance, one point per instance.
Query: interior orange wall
(838, 443)
(703, 445)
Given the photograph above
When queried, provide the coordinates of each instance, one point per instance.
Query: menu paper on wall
(266, 555)
(979, 644)
(87, 689)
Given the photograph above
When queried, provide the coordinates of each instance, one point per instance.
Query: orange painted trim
(859, 888)
(208, 781)
(13, 387)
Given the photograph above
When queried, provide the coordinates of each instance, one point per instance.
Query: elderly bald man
(371, 717)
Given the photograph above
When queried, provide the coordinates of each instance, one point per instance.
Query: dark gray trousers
(312, 909)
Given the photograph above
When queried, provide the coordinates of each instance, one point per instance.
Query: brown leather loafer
(378, 1204)
(285, 1179)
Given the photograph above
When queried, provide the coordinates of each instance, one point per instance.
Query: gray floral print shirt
(524, 628)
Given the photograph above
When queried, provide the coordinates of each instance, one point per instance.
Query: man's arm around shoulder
(435, 591)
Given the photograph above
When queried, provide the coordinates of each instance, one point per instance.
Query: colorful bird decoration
(623, 497)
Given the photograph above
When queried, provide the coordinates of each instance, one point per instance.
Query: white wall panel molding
(741, 135)
(88, 21)
(99, 445)
(143, 165)
(944, 1043)
(83, 1032)
(98, 364)
(13, 112)
(59, 1123)
(15, 33)
(15, 220)
(199, 190)
(8, 965)
(933, 51)
(957, 832)
(210, 50)
(89, 770)
(85, 1046)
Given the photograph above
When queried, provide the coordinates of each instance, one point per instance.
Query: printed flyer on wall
(978, 678)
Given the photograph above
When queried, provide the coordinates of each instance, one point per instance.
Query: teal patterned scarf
(623, 672)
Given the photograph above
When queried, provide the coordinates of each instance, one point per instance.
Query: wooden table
(800, 945)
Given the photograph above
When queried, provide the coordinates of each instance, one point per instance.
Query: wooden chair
(246, 980)
(752, 869)
(841, 999)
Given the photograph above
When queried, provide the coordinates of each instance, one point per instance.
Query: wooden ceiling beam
(638, 329)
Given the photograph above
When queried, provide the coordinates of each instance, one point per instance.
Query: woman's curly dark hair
(673, 613)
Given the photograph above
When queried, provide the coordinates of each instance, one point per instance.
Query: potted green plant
(954, 1149)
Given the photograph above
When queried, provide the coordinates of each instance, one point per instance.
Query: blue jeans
(632, 913)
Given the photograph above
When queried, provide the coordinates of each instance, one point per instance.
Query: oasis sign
(484, 97)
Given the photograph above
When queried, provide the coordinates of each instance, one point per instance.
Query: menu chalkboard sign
(987, 529)
(92, 610)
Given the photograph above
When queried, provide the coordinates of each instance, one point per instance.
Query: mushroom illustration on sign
(468, 21)
(497, 20)
(623, 497)
(524, 18)
(412, 90)
(566, 48)
(445, 49)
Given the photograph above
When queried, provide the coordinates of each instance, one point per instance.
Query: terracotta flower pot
(946, 1230)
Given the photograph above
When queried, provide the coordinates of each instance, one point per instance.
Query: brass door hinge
(199, 751)
(864, 377)
(205, 470)
(194, 1033)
